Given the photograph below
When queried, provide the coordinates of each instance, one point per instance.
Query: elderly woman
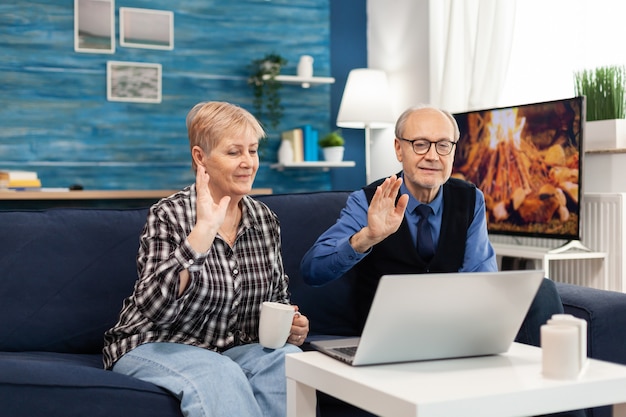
(209, 256)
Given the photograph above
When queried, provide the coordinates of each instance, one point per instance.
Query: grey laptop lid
(437, 316)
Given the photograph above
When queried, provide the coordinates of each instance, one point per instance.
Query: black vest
(397, 254)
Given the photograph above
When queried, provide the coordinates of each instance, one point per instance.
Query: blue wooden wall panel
(56, 119)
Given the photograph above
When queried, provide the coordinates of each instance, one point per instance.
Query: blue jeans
(246, 380)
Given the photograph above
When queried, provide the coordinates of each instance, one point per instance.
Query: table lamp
(366, 104)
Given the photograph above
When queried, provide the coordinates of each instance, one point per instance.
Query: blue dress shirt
(332, 255)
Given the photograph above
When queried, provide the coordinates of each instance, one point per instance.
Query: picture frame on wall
(94, 26)
(137, 82)
(146, 28)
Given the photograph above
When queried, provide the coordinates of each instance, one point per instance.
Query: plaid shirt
(220, 306)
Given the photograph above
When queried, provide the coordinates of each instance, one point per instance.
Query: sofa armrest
(605, 313)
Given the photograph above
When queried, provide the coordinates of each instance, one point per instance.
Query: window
(555, 38)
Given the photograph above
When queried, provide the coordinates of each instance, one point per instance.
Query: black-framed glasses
(422, 146)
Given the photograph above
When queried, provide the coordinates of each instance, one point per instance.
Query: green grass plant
(604, 89)
(332, 139)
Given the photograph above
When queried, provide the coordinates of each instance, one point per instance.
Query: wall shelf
(305, 82)
(310, 164)
(54, 197)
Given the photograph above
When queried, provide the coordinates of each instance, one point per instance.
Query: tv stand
(573, 250)
(571, 246)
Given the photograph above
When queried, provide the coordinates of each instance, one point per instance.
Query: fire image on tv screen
(527, 161)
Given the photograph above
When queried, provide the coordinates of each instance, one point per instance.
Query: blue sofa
(64, 274)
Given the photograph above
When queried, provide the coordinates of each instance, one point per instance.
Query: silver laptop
(437, 316)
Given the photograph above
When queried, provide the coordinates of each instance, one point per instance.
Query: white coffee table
(510, 384)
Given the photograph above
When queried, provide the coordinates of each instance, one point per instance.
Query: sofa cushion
(605, 313)
(63, 280)
(331, 308)
(45, 384)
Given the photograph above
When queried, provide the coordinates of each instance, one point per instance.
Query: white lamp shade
(366, 101)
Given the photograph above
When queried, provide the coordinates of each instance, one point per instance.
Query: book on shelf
(311, 147)
(24, 184)
(295, 136)
(19, 180)
(18, 174)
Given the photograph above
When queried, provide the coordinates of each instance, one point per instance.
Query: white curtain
(470, 46)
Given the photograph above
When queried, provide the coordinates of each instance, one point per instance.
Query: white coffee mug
(275, 324)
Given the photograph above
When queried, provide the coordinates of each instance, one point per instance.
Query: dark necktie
(425, 245)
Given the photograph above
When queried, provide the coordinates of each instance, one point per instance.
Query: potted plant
(605, 94)
(332, 146)
(265, 88)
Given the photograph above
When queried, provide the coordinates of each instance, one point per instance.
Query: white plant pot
(333, 153)
(605, 134)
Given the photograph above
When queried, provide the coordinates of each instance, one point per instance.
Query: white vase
(333, 153)
(285, 152)
(305, 66)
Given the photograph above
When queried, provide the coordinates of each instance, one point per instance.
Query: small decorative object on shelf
(285, 152)
(305, 68)
(332, 146)
(266, 88)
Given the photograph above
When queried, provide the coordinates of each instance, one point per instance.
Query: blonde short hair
(209, 122)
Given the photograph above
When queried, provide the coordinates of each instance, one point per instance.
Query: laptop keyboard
(346, 350)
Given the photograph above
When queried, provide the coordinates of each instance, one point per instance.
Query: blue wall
(348, 28)
(56, 119)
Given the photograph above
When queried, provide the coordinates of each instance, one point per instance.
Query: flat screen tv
(527, 160)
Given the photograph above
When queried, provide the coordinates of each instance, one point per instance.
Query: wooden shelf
(98, 194)
(28, 200)
(315, 165)
(305, 82)
(85, 195)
